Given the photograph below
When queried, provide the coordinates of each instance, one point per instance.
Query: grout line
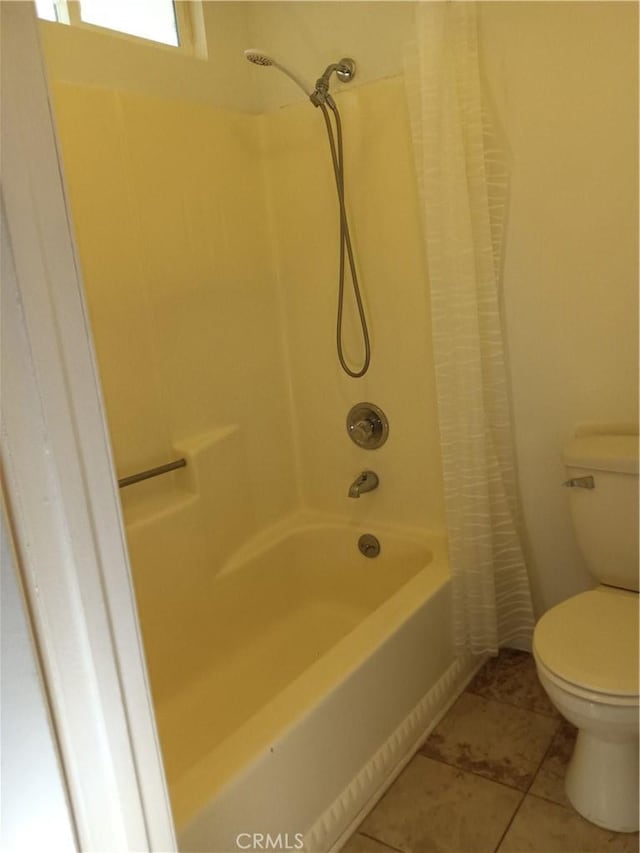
(526, 793)
(510, 821)
(377, 840)
(542, 760)
(564, 806)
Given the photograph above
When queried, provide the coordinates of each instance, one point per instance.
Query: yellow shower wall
(169, 210)
(113, 268)
(385, 229)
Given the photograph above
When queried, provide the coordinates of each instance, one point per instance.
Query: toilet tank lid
(603, 453)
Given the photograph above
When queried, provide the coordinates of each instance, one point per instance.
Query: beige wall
(564, 79)
(308, 36)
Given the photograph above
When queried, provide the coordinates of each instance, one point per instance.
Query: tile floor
(490, 777)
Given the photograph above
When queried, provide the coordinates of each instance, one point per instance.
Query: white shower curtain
(463, 186)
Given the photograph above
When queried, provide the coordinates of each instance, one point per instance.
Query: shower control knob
(362, 431)
(367, 426)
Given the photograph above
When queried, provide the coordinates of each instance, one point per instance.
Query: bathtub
(303, 681)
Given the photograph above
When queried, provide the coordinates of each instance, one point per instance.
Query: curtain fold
(463, 185)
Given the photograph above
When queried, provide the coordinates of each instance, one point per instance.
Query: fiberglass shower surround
(320, 97)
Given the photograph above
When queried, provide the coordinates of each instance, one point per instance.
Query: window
(46, 9)
(155, 20)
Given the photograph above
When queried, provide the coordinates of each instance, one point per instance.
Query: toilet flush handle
(580, 483)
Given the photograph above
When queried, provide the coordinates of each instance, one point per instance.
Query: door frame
(60, 486)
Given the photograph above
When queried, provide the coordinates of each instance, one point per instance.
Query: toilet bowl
(585, 651)
(586, 648)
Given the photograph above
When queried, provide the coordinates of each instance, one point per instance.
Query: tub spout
(365, 482)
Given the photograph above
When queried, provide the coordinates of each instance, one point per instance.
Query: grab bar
(580, 483)
(151, 472)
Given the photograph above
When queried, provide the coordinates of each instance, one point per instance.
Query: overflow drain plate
(369, 545)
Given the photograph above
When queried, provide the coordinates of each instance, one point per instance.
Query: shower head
(259, 57)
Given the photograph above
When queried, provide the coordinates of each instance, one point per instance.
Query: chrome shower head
(259, 57)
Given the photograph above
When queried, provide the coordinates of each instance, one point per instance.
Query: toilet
(586, 648)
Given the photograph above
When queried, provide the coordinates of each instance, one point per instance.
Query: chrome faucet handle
(361, 431)
(367, 426)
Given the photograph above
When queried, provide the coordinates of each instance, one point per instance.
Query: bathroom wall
(385, 229)
(385, 226)
(142, 136)
(169, 207)
(564, 79)
(170, 217)
(308, 36)
(563, 82)
(219, 76)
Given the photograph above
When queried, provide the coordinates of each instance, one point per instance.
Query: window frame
(188, 14)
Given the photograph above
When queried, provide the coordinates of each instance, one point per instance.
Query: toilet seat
(548, 678)
(589, 644)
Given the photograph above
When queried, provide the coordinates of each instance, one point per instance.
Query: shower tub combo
(293, 674)
(292, 682)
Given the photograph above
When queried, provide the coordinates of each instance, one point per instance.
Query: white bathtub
(300, 682)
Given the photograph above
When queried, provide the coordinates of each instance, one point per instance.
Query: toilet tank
(606, 517)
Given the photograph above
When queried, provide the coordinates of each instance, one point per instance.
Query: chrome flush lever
(580, 483)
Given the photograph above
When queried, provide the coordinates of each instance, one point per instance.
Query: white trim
(61, 487)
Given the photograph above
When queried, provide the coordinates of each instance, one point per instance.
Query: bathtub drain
(369, 545)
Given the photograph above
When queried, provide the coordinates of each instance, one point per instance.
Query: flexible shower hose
(345, 241)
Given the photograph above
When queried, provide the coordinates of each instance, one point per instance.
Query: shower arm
(344, 71)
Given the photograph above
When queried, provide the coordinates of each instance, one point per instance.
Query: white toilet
(586, 648)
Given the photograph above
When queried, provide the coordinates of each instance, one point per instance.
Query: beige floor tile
(359, 843)
(549, 781)
(434, 808)
(544, 827)
(494, 740)
(511, 677)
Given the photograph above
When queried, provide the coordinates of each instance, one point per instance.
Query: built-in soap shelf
(155, 501)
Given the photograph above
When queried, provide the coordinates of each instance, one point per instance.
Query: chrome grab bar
(580, 483)
(151, 472)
